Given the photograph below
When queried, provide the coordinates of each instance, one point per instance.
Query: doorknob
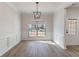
(66, 31)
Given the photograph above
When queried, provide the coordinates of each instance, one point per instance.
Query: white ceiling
(44, 7)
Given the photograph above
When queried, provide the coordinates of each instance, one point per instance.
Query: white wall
(9, 27)
(28, 18)
(73, 13)
(58, 27)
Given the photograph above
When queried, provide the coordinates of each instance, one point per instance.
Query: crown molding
(65, 5)
(12, 6)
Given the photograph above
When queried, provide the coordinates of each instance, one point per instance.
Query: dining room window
(37, 30)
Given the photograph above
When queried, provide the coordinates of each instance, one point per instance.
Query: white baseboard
(9, 48)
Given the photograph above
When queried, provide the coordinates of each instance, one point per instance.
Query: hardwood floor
(41, 49)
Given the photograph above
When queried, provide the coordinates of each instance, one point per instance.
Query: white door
(71, 32)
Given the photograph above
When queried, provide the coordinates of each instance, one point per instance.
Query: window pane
(32, 30)
(41, 30)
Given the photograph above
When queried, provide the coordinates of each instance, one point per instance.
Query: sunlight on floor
(48, 42)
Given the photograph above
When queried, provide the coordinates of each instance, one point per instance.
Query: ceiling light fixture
(37, 13)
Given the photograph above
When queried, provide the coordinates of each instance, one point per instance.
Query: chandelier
(37, 13)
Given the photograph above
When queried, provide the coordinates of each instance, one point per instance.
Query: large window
(37, 29)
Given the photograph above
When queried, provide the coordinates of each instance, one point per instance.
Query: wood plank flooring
(41, 49)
